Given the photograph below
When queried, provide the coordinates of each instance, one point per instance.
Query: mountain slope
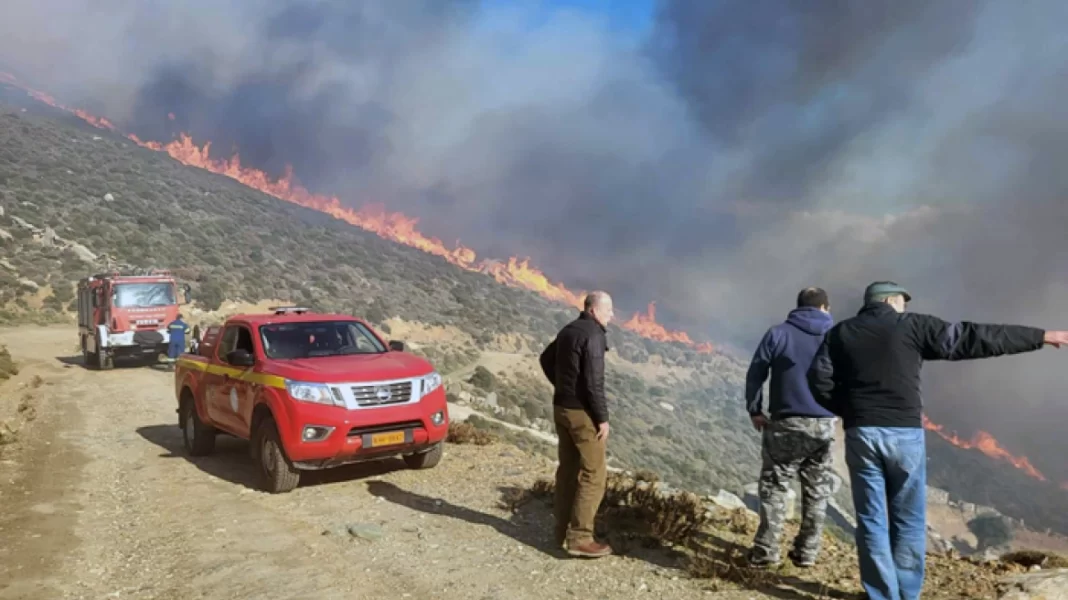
(93, 197)
(140, 207)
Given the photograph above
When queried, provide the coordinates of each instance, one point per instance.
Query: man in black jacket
(867, 371)
(574, 364)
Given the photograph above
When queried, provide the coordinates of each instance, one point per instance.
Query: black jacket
(867, 369)
(574, 364)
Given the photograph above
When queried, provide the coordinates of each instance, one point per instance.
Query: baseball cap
(885, 288)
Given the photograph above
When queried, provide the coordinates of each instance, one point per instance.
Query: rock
(666, 406)
(725, 499)
(514, 412)
(4, 235)
(464, 396)
(1036, 585)
(491, 399)
(936, 544)
(108, 197)
(366, 531)
(83, 253)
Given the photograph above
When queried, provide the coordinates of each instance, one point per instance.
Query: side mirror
(396, 345)
(240, 358)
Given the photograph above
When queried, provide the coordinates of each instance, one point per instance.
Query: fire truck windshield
(128, 295)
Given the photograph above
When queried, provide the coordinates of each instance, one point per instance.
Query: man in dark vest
(574, 364)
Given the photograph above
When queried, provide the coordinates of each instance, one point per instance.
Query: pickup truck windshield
(318, 338)
(128, 295)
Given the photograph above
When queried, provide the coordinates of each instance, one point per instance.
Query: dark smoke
(741, 150)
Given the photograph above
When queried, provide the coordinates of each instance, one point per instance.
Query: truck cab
(309, 391)
(126, 315)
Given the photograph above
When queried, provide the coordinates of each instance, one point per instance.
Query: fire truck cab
(126, 315)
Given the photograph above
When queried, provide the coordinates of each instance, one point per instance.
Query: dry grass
(641, 508)
(466, 433)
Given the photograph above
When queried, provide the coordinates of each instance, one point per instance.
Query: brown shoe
(590, 549)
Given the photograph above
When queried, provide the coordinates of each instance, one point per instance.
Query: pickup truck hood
(350, 369)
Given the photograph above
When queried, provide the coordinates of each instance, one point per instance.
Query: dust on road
(99, 500)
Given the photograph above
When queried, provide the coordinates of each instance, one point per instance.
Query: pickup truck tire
(279, 475)
(425, 460)
(198, 438)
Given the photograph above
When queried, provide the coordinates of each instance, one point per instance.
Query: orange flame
(985, 443)
(372, 217)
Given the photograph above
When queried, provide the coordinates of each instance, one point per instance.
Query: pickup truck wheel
(425, 460)
(279, 475)
(198, 438)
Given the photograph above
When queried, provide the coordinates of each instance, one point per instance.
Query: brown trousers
(580, 477)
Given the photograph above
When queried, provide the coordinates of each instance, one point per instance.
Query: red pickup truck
(309, 391)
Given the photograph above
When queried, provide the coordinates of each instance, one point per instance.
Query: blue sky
(626, 15)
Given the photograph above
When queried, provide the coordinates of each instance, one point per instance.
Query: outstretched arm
(964, 340)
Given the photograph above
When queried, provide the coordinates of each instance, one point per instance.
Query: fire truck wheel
(279, 475)
(425, 460)
(198, 438)
(104, 361)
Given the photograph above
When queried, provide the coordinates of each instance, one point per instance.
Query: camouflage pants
(794, 445)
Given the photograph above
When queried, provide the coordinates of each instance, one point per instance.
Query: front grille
(381, 394)
(404, 425)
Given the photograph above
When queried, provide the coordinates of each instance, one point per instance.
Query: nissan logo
(382, 393)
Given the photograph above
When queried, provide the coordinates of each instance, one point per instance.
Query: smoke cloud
(716, 160)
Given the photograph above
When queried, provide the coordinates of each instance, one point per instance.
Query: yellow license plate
(387, 439)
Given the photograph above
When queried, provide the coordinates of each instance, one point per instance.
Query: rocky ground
(98, 500)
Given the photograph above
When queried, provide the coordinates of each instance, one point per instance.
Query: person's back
(797, 436)
(577, 361)
(176, 330)
(868, 372)
(878, 356)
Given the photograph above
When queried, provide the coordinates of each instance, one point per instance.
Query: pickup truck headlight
(429, 383)
(315, 393)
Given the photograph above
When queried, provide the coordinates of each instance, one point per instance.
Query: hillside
(101, 501)
(75, 199)
(130, 205)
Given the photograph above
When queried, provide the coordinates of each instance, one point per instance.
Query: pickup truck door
(231, 399)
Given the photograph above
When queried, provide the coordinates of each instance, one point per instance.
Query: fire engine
(126, 315)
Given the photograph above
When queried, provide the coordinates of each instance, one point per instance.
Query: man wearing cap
(867, 371)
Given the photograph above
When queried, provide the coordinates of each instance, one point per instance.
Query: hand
(1056, 338)
(759, 422)
(602, 432)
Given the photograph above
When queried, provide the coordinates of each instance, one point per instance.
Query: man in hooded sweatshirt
(798, 433)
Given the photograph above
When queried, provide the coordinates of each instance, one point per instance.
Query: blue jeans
(888, 470)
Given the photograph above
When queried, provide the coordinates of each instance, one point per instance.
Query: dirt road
(99, 500)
